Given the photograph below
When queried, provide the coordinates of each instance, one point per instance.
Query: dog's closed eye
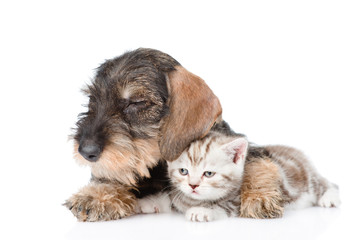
(135, 105)
(138, 103)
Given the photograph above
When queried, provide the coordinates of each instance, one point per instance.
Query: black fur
(157, 182)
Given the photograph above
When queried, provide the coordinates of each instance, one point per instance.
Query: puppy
(144, 108)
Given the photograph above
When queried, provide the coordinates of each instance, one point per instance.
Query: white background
(285, 72)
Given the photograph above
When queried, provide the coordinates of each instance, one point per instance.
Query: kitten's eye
(209, 174)
(183, 171)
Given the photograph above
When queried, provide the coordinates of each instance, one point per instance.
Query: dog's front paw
(85, 209)
(261, 207)
(261, 196)
(101, 202)
(199, 214)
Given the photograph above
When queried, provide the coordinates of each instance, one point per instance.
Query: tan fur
(121, 164)
(260, 190)
(102, 202)
(193, 110)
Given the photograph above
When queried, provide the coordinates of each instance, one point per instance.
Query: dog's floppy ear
(193, 110)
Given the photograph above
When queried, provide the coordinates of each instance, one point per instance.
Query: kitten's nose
(193, 186)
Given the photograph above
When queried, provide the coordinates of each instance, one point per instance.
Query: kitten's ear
(237, 148)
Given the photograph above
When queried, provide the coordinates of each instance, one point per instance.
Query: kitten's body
(202, 198)
(301, 185)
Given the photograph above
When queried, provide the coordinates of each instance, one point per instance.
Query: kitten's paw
(330, 198)
(146, 205)
(158, 203)
(199, 214)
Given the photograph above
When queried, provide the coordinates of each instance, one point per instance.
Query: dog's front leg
(261, 196)
(102, 202)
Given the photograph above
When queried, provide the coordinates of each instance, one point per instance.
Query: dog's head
(143, 106)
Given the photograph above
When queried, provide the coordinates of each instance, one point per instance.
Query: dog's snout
(90, 151)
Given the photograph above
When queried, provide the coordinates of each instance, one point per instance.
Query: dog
(144, 109)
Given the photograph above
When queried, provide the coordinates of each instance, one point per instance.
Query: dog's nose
(90, 151)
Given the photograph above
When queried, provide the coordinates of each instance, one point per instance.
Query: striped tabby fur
(210, 176)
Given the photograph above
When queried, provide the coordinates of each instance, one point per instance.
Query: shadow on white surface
(309, 223)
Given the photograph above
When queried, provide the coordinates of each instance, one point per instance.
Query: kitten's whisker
(177, 197)
(164, 189)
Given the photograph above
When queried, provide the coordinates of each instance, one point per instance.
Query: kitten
(206, 179)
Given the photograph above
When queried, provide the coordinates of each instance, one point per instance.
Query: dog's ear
(193, 110)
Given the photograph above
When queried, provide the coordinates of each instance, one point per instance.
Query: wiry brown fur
(143, 107)
(102, 202)
(121, 165)
(260, 191)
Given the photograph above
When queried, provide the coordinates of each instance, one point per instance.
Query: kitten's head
(210, 168)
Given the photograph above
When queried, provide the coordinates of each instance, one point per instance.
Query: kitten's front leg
(261, 196)
(203, 214)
